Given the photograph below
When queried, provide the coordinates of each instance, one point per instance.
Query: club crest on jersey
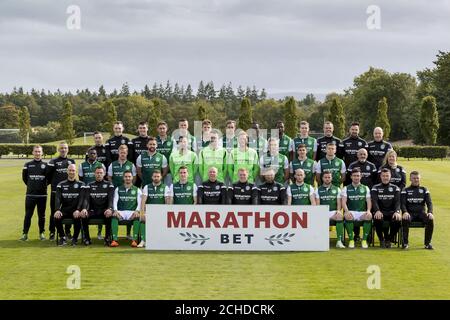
(390, 189)
(274, 189)
(420, 191)
(305, 189)
(104, 186)
(367, 168)
(382, 147)
(103, 150)
(333, 191)
(361, 190)
(217, 187)
(133, 192)
(188, 188)
(75, 185)
(122, 141)
(157, 158)
(42, 166)
(247, 188)
(397, 169)
(360, 143)
(127, 167)
(337, 164)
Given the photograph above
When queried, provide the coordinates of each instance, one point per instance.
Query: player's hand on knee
(367, 216)
(108, 213)
(84, 213)
(58, 215)
(406, 216)
(378, 215)
(430, 216)
(76, 214)
(397, 216)
(136, 215)
(117, 214)
(348, 216)
(338, 216)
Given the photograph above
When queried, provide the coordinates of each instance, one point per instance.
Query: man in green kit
(300, 193)
(304, 138)
(213, 156)
(126, 206)
(285, 140)
(183, 191)
(333, 164)
(276, 161)
(357, 204)
(86, 169)
(183, 157)
(117, 168)
(329, 194)
(303, 162)
(149, 161)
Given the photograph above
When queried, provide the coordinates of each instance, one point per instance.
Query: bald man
(378, 148)
(369, 172)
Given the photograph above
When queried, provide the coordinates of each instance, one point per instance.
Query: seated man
(212, 191)
(300, 193)
(242, 192)
(413, 201)
(271, 192)
(357, 205)
(329, 194)
(99, 204)
(183, 191)
(69, 203)
(127, 203)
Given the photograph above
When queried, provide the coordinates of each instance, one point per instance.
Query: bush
(428, 152)
(78, 150)
(21, 150)
(43, 135)
(4, 150)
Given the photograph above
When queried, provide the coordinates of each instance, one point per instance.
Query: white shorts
(332, 213)
(126, 214)
(358, 215)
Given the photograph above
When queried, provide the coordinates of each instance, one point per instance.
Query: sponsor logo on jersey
(269, 190)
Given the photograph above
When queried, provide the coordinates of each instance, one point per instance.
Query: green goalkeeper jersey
(329, 196)
(213, 158)
(243, 159)
(356, 197)
(188, 160)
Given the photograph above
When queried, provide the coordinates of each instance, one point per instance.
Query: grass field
(37, 270)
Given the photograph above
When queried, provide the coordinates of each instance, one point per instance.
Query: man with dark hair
(69, 202)
(276, 161)
(413, 201)
(230, 141)
(256, 140)
(151, 160)
(304, 138)
(165, 147)
(99, 148)
(34, 176)
(139, 144)
(86, 169)
(301, 161)
(112, 144)
(378, 148)
(328, 129)
(99, 204)
(183, 131)
(386, 207)
(333, 164)
(349, 146)
(183, 191)
(206, 132)
(212, 191)
(57, 172)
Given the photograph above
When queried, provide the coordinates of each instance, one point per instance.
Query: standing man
(118, 167)
(165, 147)
(304, 138)
(149, 161)
(206, 132)
(154, 193)
(139, 146)
(57, 172)
(183, 131)
(378, 148)
(328, 129)
(99, 148)
(413, 201)
(386, 207)
(357, 206)
(243, 157)
(127, 205)
(230, 141)
(183, 191)
(329, 194)
(212, 191)
(183, 157)
(86, 170)
(213, 156)
(300, 193)
(69, 203)
(34, 175)
(369, 172)
(99, 204)
(349, 146)
(285, 140)
(302, 162)
(276, 161)
(333, 164)
(242, 192)
(255, 139)
(112, 144)
(271, 192)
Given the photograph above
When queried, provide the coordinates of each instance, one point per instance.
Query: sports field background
(37, 270)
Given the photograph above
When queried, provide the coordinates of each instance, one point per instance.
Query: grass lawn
(37, 270)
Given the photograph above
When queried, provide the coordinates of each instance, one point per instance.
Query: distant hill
(296, 94)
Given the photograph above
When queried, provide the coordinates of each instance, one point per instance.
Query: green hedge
(78, 150)
(4, 150)
(25, 150)
(428, 152)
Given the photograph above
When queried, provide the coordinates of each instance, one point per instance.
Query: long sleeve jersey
(385, 198)
(414, 200)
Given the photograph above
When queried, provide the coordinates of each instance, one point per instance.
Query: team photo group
(360, 181)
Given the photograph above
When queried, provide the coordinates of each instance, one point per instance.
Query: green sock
(136, 229)
(142, 230)
(115, 228)
(340, 230)
(349, 227)
(367, 225)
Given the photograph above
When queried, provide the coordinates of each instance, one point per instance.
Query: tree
(290, 117)
(125, 92)
(102, 92)
(24, 124)
(429, 120)
(201, 92)
(441, 81)
(9, 117)
(201, 111)
(154, 116)
(147, 93)
(66, 122)
(188, 95)
(309, 100)
(245, 115)
(382, 118)
(337, 118)
(110, 116)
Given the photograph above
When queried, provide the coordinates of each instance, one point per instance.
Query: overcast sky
(283, 46)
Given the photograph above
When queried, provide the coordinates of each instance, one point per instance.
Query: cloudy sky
(283, 46)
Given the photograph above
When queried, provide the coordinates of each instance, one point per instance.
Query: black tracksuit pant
(387, 232)
(30, 204)
(429, 226)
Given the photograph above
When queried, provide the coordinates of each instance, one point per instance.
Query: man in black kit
(413, 201)
(212, 191)
(349, 147)
(69, 203)
(378, 148)
(386, 207)
(139, 144)
(112, 144)
(34, 176)
(57, 172)
(243, 192)
(100, 148)
(328, 129)
(98, 204)
(369, 172)
(271, 192)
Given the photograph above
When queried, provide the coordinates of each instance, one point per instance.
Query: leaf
(194, 242)
(279, 236)
(187, 239)
(271, 237)
(182, 234)
(279, 242)
(202, 243)
(271, 242)
(201, 236)
(195, 236)
(285, 235)
(189, 235)
(287, 240)
(292, 234)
